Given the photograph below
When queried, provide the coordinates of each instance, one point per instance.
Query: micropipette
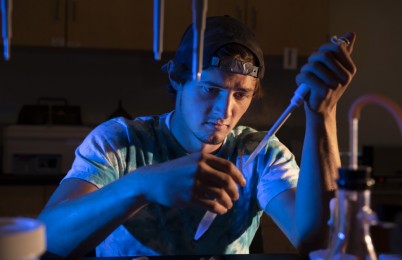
(296, 101)
(199, 16)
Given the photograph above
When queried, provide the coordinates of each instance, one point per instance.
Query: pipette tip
(197, 76)
(157, 56)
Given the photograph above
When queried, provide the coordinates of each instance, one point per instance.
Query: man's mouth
(218, 125)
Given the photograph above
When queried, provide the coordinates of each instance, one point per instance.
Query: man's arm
(79, 215)
(302, 213)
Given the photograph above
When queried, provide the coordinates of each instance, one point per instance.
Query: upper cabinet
(299, 24)
(83, 23)
(280, 24)
(38, 23)
(127, 24)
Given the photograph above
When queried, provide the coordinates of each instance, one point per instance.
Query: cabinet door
(124, 24)
(289, 23)
(38, 23)
(234, 8)
(178, 16)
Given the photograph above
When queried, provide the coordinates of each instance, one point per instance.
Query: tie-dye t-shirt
(119, 146)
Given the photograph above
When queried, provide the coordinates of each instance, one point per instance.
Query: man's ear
(176, 84)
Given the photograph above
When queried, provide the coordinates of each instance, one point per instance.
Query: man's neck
(190, 146)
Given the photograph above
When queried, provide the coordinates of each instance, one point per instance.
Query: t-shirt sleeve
(99, 159)
(278, 172)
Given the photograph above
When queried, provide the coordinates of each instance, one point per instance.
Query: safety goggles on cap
(235, 66)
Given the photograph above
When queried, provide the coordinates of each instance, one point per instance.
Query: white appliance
(40, 149)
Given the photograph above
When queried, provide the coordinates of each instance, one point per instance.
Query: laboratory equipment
(353, 217)
(351, 237)
(6, 10)
(21, 238)
(354, 115)
(199, 17)
(159, 14)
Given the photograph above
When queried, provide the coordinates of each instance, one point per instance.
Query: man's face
(208, 110)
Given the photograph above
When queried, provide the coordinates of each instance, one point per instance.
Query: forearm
(77, 225)
(319, 166)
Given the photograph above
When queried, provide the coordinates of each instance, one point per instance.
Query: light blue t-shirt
(119, 146)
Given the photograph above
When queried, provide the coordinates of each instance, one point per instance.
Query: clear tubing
(354, 114)
(353, 164)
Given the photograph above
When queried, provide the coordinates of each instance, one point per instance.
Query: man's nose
(223, 105)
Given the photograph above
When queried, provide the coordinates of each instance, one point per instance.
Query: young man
(141, 187)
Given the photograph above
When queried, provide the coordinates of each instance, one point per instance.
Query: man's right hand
(199, 179)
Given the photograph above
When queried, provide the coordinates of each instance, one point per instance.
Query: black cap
(219, 31)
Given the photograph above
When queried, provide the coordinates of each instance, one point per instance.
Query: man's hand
(199, 179)
(328, 72)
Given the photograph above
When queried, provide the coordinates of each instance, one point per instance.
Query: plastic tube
(199, 17)
(159, 7)
(6, 10)
(354, 114)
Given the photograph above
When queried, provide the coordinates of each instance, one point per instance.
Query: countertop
(193, 257)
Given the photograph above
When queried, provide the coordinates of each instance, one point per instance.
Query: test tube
(199, 17)
(6, 9)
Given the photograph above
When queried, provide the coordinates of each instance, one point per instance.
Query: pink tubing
(354, 114)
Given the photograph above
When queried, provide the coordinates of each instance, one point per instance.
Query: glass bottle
(352, 217)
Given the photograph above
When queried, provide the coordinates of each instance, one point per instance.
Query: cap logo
(235, 66)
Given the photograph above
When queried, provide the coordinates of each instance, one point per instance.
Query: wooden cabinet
(38, 23)
(297, 24)
(123, 24)
(277, 24)
(280, 24)
(128, 24)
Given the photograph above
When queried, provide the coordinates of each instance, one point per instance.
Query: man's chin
(215, 140)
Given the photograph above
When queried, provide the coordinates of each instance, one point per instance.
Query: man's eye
(211, 90)
(240, 95)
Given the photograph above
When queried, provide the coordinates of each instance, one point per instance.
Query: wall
(93, 80)
(378, 56)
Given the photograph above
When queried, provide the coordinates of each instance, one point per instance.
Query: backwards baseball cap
(219, 31)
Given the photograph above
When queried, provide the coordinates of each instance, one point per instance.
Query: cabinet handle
(73, 10)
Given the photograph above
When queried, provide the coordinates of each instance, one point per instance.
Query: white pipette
(296, 101)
